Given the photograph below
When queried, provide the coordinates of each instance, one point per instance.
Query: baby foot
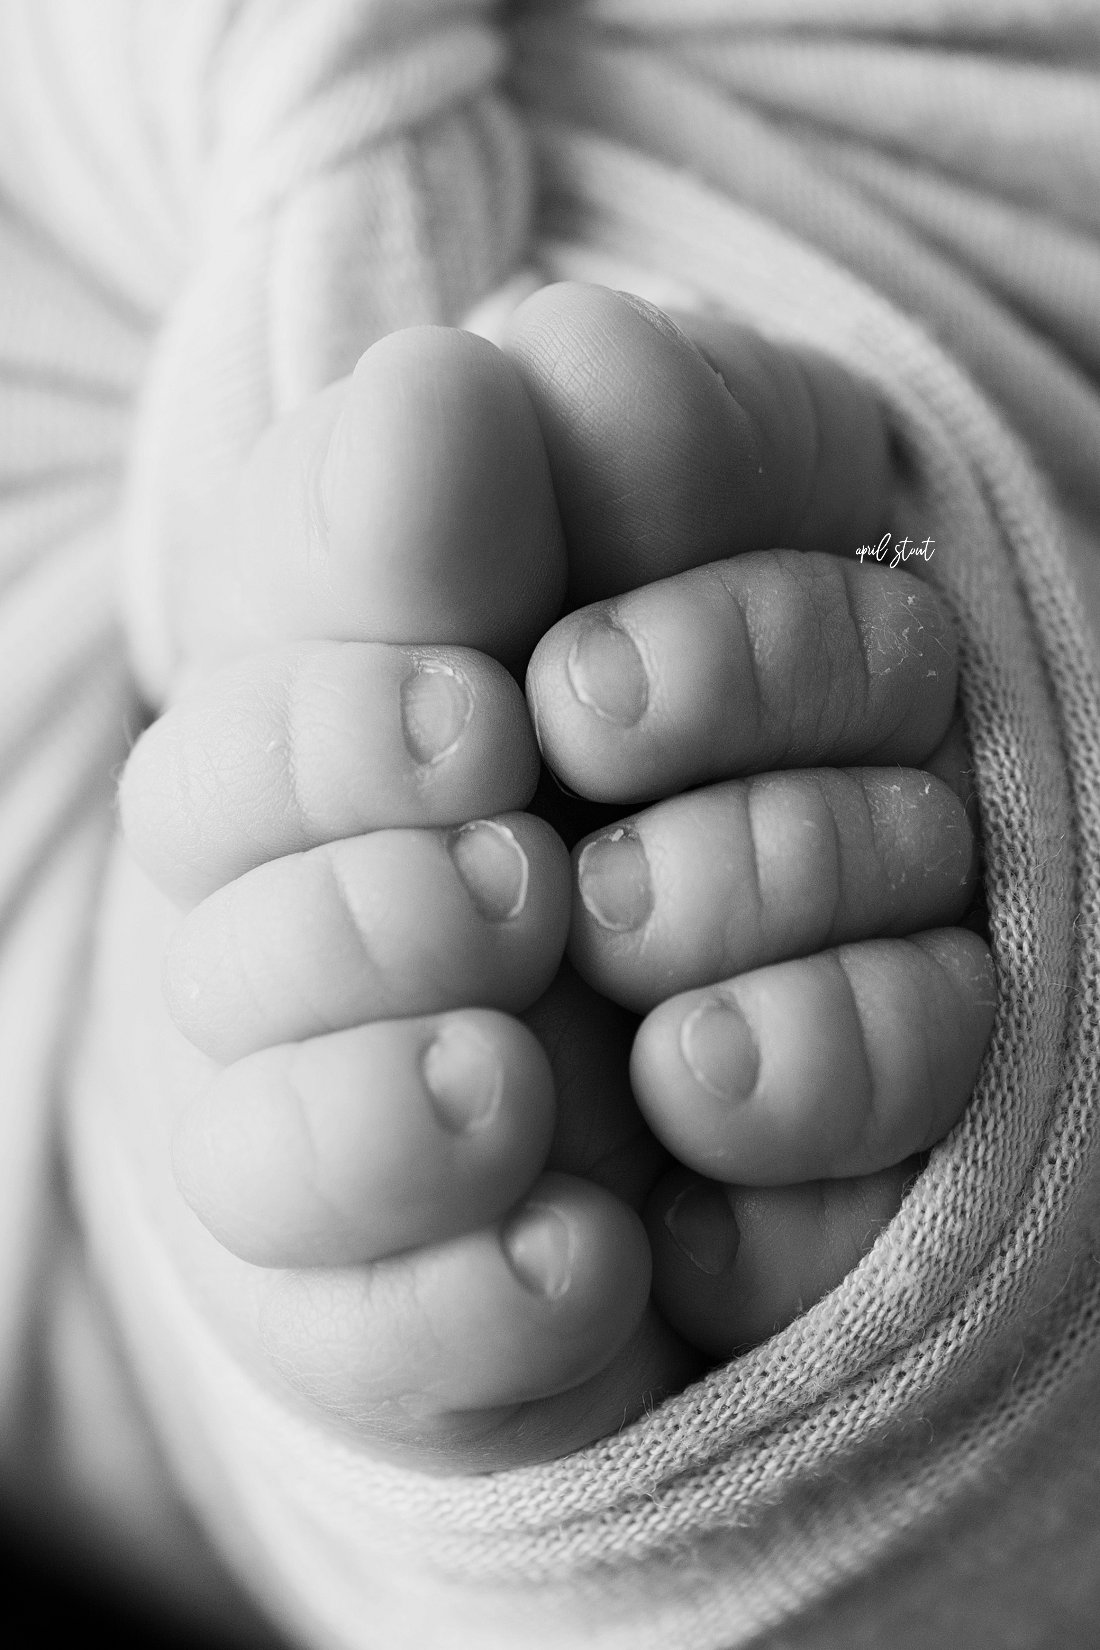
(454, 1197)
(807, 1014)
(439, 1218)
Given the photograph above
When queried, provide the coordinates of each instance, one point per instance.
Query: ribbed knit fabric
(210, 207)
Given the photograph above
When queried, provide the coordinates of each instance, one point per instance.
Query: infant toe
(735, 1264)
(315, 741)
(359, 1145)
(373, 927)
(837, 1064)
(668, 451)
(733, 877)
(520, 1310)
(410, 503)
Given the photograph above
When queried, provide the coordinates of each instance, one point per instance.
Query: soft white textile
(210, 207)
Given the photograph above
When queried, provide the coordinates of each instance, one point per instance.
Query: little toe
(375, 927)
(735, 1264)
(355, 1146)
(520, 1310)
(834, 1065)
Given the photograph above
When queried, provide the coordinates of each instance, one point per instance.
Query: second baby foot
(456, 1218)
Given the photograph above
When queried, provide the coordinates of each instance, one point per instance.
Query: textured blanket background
(208, 208)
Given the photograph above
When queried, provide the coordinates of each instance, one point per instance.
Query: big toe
(409, 503)
(669, 451)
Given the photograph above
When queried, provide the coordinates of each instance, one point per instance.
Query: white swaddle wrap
(209, 208)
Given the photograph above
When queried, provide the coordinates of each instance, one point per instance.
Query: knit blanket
(209, 209)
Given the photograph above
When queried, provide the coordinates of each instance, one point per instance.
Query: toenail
(701, 1224)
(607, 674)
(493, 866)
(463, 1077)
(658, 320)
(436, 706)
(666, 326)
(613, 876)
(720, 1050)
(539, 1246)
